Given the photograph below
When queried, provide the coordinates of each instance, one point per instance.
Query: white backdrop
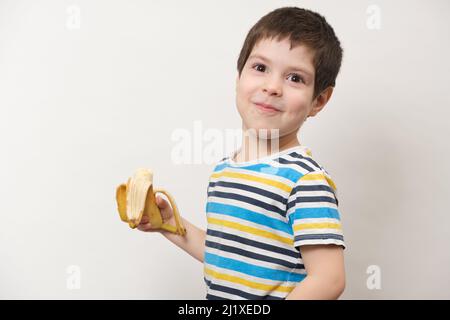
(92, 90)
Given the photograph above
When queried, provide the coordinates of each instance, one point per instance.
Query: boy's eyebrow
(291, 67)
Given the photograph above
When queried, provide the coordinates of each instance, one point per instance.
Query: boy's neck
(252, 149)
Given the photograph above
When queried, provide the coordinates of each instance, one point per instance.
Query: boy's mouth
(266, 108)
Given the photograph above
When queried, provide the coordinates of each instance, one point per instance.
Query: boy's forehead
(300, 56)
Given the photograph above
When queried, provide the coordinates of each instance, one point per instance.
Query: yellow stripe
(269, 182)
(248, 283)
(256, 231)
(319, 176)
(323, 225)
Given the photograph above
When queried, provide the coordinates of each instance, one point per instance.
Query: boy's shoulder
(298, 158)
(289, 171)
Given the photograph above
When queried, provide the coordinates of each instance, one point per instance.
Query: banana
(136, 198)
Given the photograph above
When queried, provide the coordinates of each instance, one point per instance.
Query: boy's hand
(166, 214)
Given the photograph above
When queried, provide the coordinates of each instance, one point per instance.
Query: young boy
(274, 228)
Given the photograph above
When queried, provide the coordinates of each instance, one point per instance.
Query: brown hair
(301, 26)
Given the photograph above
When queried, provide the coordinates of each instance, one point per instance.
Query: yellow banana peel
(136, 199)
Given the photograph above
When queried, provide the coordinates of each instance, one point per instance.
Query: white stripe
(314, 182)
(225, 295)
(319, 241)
(312, 193)
(316, 220)
(318, 204)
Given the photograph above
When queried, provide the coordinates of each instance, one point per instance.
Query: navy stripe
(317, 187)
(253, 255)
(212, 297)
(252, 201)
(305, 198)
(265, 246)
(321, 236)
(297, 155)
(315, 199)
(249, 188)
(241, 293)
(299, 163)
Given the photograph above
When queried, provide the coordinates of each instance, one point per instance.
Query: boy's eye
(259, 65)
(296, 76)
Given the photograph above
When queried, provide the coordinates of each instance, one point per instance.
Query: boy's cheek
(242, 107)
(243, 97)
(249, 83)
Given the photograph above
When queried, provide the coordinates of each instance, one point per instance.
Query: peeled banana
(136, 198)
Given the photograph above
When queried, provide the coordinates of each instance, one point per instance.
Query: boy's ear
(321, 100)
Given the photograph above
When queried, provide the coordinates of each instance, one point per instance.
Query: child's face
(285, 80)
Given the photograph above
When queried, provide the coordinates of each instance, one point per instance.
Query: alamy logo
(73, 281)
(374, 17)
(208, 146)
(374, 280)
(73, 21)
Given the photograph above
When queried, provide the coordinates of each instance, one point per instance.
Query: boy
(274, 229)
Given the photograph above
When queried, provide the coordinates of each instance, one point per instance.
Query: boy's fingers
(145, 227)
(162, 204)
(165, 208)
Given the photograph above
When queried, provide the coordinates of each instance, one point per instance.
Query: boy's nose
(272, 87)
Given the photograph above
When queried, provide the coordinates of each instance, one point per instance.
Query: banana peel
(136, 199)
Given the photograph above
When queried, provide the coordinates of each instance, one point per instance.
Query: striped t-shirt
(259, 213)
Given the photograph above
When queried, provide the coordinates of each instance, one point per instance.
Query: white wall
(86, 99)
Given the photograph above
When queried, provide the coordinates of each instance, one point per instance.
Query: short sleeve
(312, 211)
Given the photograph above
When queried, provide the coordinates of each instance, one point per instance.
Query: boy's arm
(325, 270)
(193, 242)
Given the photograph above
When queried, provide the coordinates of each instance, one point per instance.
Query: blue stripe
(219, 167)
(251, 269)
(287, 173)
(311, 213)
(248, 215)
